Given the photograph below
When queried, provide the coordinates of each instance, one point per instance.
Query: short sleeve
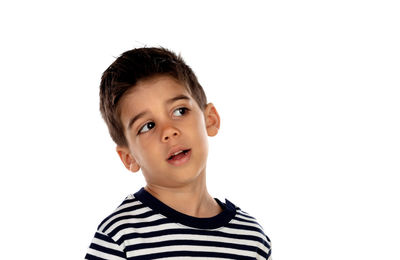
(269, 255)
(104, 247)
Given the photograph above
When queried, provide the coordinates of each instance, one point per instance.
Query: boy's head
(157, 114)
(138, 65)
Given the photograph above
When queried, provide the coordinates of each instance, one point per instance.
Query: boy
(157, 114)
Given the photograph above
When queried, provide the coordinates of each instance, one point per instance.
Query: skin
(165, 126)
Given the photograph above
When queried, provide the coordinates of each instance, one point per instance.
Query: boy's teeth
(177, 153)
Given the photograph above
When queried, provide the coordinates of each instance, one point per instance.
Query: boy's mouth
(179, 157)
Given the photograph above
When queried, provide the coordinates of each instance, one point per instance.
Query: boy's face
(166, 131)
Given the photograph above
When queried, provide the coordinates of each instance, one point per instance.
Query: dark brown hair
(140, 64)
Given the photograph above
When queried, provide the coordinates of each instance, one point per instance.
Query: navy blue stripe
(187, 242)
(244, 227)
(269, 254)
(262, 253)
(247, 216)
(92, 257)
(182, 231)
(132, 208)
(267, 238)
(245, 220)
(103, 237)
(138, 225)
(107, 250)
(192, 254)
(140, 216)
(126, 201)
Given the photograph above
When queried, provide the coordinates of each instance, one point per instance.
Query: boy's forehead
(146, 93)
(156, 88)
(157, 85)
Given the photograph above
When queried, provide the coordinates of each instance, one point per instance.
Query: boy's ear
(212, 119)
(127, 159)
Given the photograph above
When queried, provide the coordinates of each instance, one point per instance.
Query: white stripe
(129, 197)
(167, 226)
(178, 248)
(107, 244)
(242, 232)
(124, 231)
(133, 221)
(104, 255)
(130, 204)
(249, 233)
(245, 216)
(132, 213)
(136, 241)
(243, 223)
(196, 257)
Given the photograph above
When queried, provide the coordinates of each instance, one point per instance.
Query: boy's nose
(170, 132)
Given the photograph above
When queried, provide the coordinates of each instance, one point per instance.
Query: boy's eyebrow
(172, 100)
(141, 114)
(133, 119)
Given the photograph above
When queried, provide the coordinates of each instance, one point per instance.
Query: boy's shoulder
(129, 208)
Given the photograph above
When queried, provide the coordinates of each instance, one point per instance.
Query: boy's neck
(193, 200)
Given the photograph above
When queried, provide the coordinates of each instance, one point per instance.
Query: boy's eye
(180, 111)
(146, 127)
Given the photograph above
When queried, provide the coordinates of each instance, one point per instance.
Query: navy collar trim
(220, 220)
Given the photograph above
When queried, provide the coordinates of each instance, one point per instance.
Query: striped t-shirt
(143, 227)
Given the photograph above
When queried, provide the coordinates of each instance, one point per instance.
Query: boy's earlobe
(134, 167)
(212, 119)
(127, 159)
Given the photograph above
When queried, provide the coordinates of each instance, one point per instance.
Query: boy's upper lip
(175, 149)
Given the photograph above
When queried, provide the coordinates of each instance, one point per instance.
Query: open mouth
(179, 155)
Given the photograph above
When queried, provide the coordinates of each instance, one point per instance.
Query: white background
(308, 93)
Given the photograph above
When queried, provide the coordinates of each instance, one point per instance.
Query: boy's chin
(179, 179)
